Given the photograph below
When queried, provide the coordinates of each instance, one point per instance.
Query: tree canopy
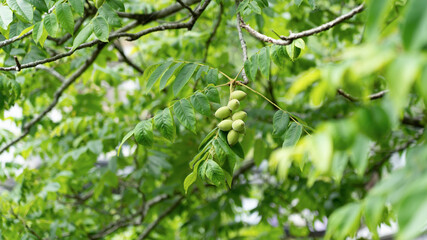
(110, 128)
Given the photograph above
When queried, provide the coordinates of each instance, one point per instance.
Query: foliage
(118, 139)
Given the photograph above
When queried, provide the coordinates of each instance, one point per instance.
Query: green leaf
(201, 155)
(299, 43)
(189, 180)
(212, 76)
(254, 66)
(192, 177)
(220, 154)
(248, 66)
(339, 163)
(214, 172)
(147, 73)
(281, 160)
(374, 207)
(22, 8)
(207, 138)
(413, 28)
(125, 138)
(411, 214)
(39, 33)
(39, 4)
(292, 135)
(201, 103)
(156, 75)
(6, 17)
(168, 74)
(242, 6)
(101, 28)
(163, 121)
(254, 6)
(238, 150)
(82, 36)
(279, 55)
(344, 221)
(185, 114)
(376, 17)
(117, 5)
(143, 133)
(95, 146)
(183, 77)
(293, 51)
(78, 6)
(110, 15)
(264, 62)
(212, 94)
(234, 151)
(65, 17)
(202, 70)
(360, 154)
(280, 123)
(98, 3)
(51, 24)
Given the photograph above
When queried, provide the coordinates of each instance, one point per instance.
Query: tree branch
(14, 39)
(156, 222)
(288, 40)
(214, 30)
(121, 32)
(244, 48)
(52, 72)
(355, 99)
(325, 26)
(57, 95)
(159, 14)
(126, 59)
(189, 25)
(261, 36)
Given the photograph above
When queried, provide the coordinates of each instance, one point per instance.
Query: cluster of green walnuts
(232, 119)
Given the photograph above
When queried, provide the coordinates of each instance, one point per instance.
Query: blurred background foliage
(359, 89)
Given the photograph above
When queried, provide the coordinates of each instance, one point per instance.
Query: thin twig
(126, 59)
(55, 101)
(355, 99)
(18, 64)
(187, 7)
(52, 71)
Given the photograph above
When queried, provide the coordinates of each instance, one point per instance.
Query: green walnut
(223, 112)
(233, 104)
(238, 125)
(232, 137)
(239, 115)
(225, 125)
(239, 95)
